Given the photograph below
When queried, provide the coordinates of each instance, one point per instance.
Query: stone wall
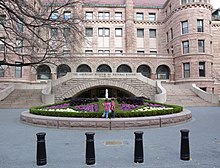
(75, 86)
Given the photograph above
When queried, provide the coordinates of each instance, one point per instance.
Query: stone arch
(62, 70)
(43, 72)
(163, 72)
(79, 89)
(171, 67)
(145, 70)
(83, 68)
(124, 68)
(104, 68)
(131, 65)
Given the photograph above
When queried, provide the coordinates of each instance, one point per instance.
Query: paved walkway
(66, 148)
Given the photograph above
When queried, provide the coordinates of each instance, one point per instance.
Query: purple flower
(88, 107)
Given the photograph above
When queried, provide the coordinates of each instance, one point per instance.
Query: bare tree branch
(38, 33)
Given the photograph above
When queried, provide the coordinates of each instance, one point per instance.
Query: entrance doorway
(100, 92)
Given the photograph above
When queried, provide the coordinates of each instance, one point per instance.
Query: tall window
(54, 15)
(167, 34)
(89, 32)
(1, 71)
(18, 70)
(19, 45)
(2, 21)
(104, 32)
(19, 26)
(118, 32)
(152, 16)
(200, 27)
(118, 15)
(201, 46)
(67, 15)
(62, 70)
(88, 15)
(153, 33)
(163, 72)
(53, 32)
(186, 70)
(103, 15)
(184, 27)
(2, 44)
(43, 72)
(139, 16)
(184, 2)
(140, 33)
(171, 33)
(201, 69)
(66, 32)
(185, 45)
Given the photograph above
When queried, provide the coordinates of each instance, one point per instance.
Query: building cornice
(148, 7)
(104, 5)
(188, 6)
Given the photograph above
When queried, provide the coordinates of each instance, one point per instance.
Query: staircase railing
(47, 97)
(162, 93)
(6, 91)
(209, 97)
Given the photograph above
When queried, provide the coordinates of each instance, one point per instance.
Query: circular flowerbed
(93, 108)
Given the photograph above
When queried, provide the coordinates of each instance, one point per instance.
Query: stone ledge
(102, 123)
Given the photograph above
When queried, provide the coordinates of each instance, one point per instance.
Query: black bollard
(41, 149)
(90, 149)
(184, 150)
(138, 149)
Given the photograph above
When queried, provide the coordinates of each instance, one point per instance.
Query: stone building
(177, 41)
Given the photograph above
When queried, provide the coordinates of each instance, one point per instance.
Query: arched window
(62, 70)
(124, 68)
(144, 70)
(43, 72)
(104, 68)
(83, 68)
(163, 72)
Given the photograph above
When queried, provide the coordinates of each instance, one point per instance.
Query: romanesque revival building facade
(173, 40)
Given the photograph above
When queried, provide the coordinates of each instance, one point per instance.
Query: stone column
(129, 27)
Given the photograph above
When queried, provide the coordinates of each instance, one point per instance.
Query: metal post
(41, 149)
(138, 150)
(90, 149)
(184, 150)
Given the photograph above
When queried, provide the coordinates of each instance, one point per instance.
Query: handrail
(46, 96)
(162, 93)
(209, 97)
(6, 91)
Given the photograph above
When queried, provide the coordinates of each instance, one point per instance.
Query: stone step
(180, 95)
(22, 99)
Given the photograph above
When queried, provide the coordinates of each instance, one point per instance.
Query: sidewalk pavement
(113, 148)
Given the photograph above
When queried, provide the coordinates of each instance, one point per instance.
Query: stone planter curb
(102, 123)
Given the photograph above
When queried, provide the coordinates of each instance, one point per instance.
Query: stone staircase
(181, 95)
(22, 99)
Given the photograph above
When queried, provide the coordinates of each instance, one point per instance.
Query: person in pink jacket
(106, 105)
(113, 107)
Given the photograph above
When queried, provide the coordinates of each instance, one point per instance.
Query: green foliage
(118, 114)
